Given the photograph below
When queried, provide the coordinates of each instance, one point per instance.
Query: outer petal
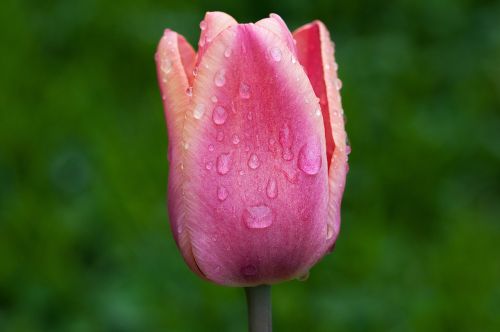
(213, 24)
(316, 54)
(173, 58)
(276, 25)
(257, 196)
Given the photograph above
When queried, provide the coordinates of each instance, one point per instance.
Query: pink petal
(316, 54)
(212, 25)
(276, 25)
(256, 198)
(174, 57)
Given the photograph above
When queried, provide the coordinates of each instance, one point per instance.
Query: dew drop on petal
(272, 188)
(244, 91)
(253, 161)
(223, 163)
(309, 160)
(209, 165)
(275, 54)
(219, 115)
(198, 111)
(338, 84)
(195, 71)
(285, 136)
(249, 270)
(165, 65)
(259, 216)
(222, 193)
(220, 136)
(211, 147)
(189, 91)
(304, 277)
(329, 231)
(235, 139)
(214, 99)
(220, 78)
(227, 52)
(203, 25)
(287, 154)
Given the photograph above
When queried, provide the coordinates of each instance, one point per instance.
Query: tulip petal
(174, 60)
(316, 54)
(255, 143)
(276, 24)
(213, 24)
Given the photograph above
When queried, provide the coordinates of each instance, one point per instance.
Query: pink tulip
(257, 148)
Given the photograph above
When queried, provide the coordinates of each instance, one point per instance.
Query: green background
(84, 239)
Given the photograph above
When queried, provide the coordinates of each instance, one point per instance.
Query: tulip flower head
(257, 148)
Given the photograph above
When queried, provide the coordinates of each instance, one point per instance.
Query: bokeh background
(84, 239)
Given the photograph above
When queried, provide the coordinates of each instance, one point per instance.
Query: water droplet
(203, 25)
(163, 97)
(284, 136)
(244, 91)
(259, 216)
(222, 193)
(317, 112)
(249, 270)
(338, 84)
(213, 99)
(253, 161)
(219, 115)
(220, 136)
(335, 66)
(235, 139)
(211, 147)
(272, 188)
(165, 65)
(309, 160)
(180, 229)
(195, 71)
(293, 59)
(227, 52)
(209, 165)
(223, 163)
(185, 145)
(250, 116)
(201, 43)
(189, 91)
(304, 277)
(198, 111)
(275, 54)
(329, 231)
(220, 78)
(287, 154)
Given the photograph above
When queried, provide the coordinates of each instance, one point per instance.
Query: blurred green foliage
(84, 239)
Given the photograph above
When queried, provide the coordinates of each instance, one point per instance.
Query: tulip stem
(259, 308)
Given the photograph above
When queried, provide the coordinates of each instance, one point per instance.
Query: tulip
(257, 148)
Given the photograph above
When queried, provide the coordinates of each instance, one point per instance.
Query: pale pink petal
(276, 24)
(316, 54)
(257, 195)
(212, 25)
(173, 57)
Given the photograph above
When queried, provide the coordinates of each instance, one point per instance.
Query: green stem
(259, 308)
